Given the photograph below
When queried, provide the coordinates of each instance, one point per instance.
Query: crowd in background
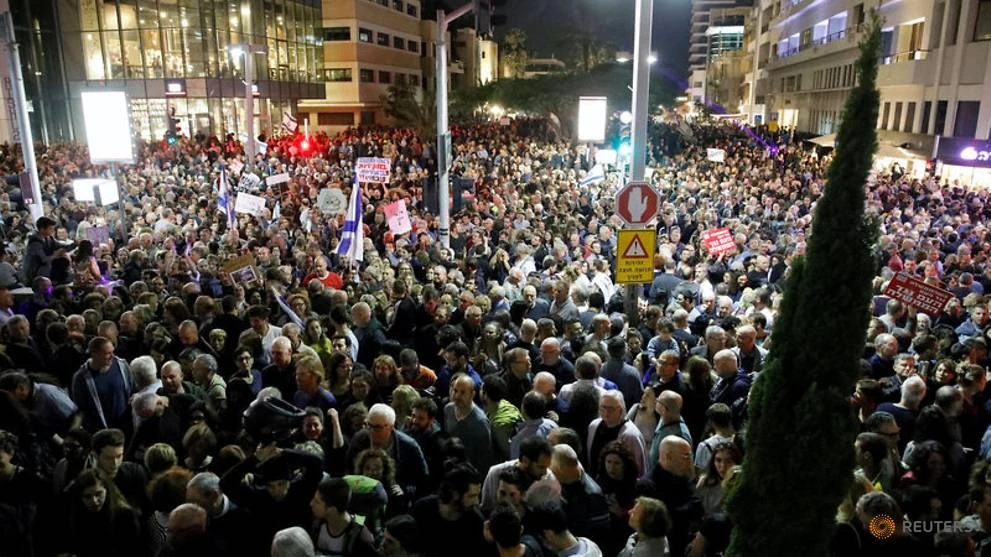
(487, 398)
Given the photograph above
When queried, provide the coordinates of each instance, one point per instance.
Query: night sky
(545, 21)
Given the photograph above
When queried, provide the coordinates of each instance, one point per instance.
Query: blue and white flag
(289, 123)
(352, 236)
(594, 176)
(225, 201)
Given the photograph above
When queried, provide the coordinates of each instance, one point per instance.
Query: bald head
(187, 522)
(565, 464)
(676, 455)
(724, 363)
(669, 404)
(545, 383)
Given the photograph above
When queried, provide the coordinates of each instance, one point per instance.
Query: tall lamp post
(638, 136)
(248, 50)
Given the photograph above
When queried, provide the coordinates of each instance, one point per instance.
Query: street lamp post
(638, 136)
(249, 50)
(444, 134)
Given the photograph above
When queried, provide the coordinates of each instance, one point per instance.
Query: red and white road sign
(637, 203)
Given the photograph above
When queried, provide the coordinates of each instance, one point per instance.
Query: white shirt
(267, 340)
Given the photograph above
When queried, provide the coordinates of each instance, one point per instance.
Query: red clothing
(332, 280)
(425, 379)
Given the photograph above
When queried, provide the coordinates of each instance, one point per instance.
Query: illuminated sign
(972, 154)
(964, 152)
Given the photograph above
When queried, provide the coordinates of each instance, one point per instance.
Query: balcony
(828, 44)
(913, 67)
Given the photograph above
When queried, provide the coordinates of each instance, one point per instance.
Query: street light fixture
(247, 50)
(623, 57)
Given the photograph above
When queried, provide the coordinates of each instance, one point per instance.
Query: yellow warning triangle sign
(636, 250)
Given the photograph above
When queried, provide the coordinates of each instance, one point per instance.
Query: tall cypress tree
(801, 431)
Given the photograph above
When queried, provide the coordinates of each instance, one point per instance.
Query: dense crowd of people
(491, 398)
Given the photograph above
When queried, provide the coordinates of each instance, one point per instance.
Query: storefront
(964, 161)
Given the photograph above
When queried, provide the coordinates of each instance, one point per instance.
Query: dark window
(400, 78)
(383, 3)
(385, 77)
(364, 35)
(982, 29)
(939, 126)
(858, 14)
(335, 119)
(398, 5)
(414, 80)
(366, 76)
(383, 39)
(338, 74)
(966, 119)
(897, 123)
(411, 9)
(367, 117)
(885, 113)
(337, 34)
(413, 46)
(927, 108)
(399, 42)
(910, 118)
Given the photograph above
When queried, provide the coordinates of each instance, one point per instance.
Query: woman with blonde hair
(387, 376)
(310, 385)
(402, 402)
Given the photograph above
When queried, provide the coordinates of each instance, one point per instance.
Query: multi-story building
(727, 62)
(699, 42)
(167, 54)
(368, 46)
(933, 77)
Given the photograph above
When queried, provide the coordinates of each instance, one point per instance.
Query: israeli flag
(289, 123)
(352, 237)
(594, 176)
(224, 199)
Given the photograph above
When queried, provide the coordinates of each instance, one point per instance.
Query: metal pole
(638, 134)
(641, 83)
(249, 107)
(20, 102)
(443, 137)
(120, 204)
(443, 133)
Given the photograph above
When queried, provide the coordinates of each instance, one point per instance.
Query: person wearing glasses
(380, 433)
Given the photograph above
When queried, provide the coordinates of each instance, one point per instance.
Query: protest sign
(913, 292)
(375, 170)
(718, 241)
(398, 217)
(250, 204)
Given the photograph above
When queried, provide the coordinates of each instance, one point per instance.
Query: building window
(927, 108)
(414, 80)
(886, 113)
(400, 78)
(364, 35)
(966, 120)
(335, 119)
(366, 76)
(383, 39)
(982, 29)
(399, 42)
(896, 125)
(368, 116)
(413, 46)
(411, 10)
(398, 5)
(939, 123)
(383, 3)
(338, 74)
(910, 118)
(337, 34)
(385, 77)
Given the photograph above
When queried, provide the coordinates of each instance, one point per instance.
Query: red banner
(718, 241)
(913, 292)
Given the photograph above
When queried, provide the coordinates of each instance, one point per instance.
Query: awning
(828, 140)
(886, 151)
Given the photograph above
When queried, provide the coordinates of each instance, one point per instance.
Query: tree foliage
(514, 53)
(799, 455)
(400, 103)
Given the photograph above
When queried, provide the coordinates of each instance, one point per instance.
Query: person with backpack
(336, 532)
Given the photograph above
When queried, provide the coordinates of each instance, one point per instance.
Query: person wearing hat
(280, 488)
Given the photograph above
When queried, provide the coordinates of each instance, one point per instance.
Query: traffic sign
(635, 249)
(637, 203)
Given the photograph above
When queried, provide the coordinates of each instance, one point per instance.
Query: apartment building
(368, 46)
(701, 39)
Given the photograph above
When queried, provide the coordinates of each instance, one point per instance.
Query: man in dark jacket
(41, 249)
(405, 315)
(277, 496)
(671, 483)
(380, 433)
(369, 332)
(734, 383)
(584, 502)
